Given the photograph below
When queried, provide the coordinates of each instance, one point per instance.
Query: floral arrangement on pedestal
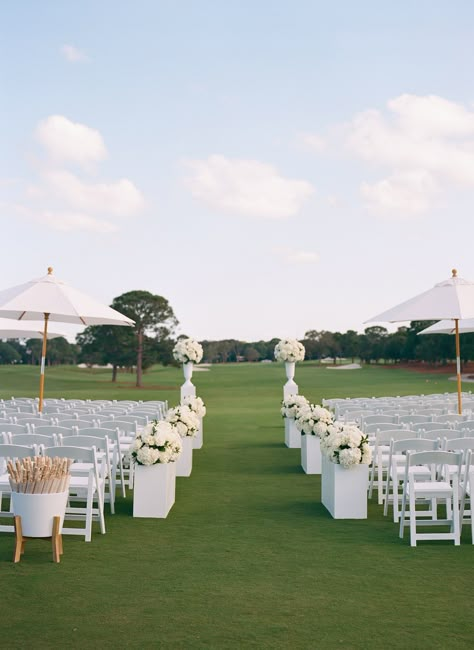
(292, 405)
(157, 443)
(195, 404)
(346, 446)
(187, 351)
(183, 420)
(315, 420)
(289, 350)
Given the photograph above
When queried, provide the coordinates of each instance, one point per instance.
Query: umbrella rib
(22, 314)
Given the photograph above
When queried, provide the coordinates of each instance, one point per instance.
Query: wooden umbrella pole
(43, 362)
(458, 364)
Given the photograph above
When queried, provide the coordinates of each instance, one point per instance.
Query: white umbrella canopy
(451, 299)
(448, 327)
(48, 295)
(24, 330)
(49, 299)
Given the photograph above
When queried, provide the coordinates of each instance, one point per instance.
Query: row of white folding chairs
(87, 482)
(380, 444)
(121, 435)
(430, 470)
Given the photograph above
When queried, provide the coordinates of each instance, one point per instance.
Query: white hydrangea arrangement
(346, 446)
(187, 350)
(291, 406)
(196, 405)
(315, 420)
(289, 350)
(183, 420)
(157, 443)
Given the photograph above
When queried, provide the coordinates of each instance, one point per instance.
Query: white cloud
(119, 199)
(312, 141)
(66, 141)
(67, 201)
(297, 256)
(426, 143)
(73, 54)
(246, 187)
(403, 195)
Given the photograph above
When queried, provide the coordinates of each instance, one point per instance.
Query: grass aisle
(248, 557)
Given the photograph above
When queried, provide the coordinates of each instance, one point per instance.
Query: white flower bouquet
(187, 350)
(291, 406)
(184, 421)
(347, 446)
(157, 443)
(196, 405)
(315, 420)
(289, 350)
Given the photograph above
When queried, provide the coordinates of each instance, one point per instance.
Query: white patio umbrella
(24, 330)
(452, 300)
(49, 299)
(447, 327)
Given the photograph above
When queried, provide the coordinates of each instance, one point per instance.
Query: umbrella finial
(50, 270)
(455, 273)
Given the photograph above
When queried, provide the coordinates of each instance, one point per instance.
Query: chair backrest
(114, 411)
(13, 428)
(101, 444)
(449, 417)
(384, 426)
(125, 427)
(137, 419)
(79, 424)
(439, 434)
(88, 417)
(16, 451)
(98, 432)
(32, 420)
(414, 419)
(65, 415)
(458, 444)
(429, 412)
(84, 454)
(143, 414)
(396, 411)
(385, 437)
(33, 439)
(450, 460)
(466, 425)
(412, 444)
(376, 419)
(52, 429)
(428, 426)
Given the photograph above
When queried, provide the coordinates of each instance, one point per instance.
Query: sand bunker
(347, 366)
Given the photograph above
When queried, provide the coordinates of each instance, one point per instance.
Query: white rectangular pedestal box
(344, 491)
(184, 464)
(154, 489)
(292, 435)
(198, 439)
(311, 454)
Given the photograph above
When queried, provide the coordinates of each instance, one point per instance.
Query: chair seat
(435, 488)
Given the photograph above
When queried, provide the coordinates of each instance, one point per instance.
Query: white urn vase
(311, 454)
(188, 388)
(292, 435)
(154, 490)
(37, 511)
(290, 388)
(184, 464)
(344, 491)
(198, 439)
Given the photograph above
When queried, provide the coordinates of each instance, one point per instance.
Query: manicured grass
(248, 557)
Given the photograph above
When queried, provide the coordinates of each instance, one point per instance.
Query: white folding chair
(89, 487)
(102, 447)
(10, 452)
(396, 469)
(117, 458)
(442, 485)
(380, 456)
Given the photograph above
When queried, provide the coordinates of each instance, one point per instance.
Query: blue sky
(269, 167)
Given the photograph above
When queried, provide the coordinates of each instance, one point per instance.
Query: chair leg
(412, 518)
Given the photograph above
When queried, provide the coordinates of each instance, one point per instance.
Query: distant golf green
(248, 557)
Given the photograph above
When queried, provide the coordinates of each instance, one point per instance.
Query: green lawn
(248, 557)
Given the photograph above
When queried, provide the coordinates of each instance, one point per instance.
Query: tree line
(152, 338)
